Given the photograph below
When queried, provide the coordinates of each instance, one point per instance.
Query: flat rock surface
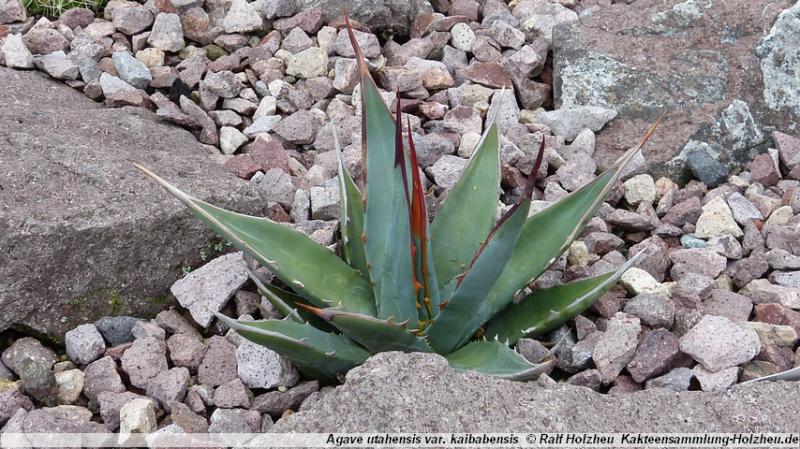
(419, 393)
(82, 233)
(697, 61)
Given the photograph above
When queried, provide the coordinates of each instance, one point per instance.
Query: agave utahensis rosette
(450, 286)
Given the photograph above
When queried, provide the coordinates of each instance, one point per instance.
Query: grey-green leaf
(313, 271)
(447, 332)
(351, 215)
(467, 215)
(496, 359)
(374, 334)
(544, 237)
(326, 355)
(547, 308)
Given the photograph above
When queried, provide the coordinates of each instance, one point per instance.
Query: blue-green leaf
(313, 271)
(326, 355)
(372, 333)
(547, 308)
(466, 216)
(496, 359)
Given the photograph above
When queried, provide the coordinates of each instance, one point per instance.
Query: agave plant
(401, 283)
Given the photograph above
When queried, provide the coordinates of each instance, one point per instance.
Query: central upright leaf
(387, 239)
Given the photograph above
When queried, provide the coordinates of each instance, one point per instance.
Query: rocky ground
(715, 300)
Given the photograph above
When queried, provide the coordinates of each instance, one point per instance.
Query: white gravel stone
(70, 384)
(84, 344)
(325, 202)
(718, 343)
(637, 281)
(230, 139)
(447, 170)
(208, 288)
(136, 416)
(762, 291)
(716, 381)
(262, 125)
(58, 65)
(462, 37)
(110, 84)
(260, 367)
(16, 54)
(717, 219)
(167, 33)
(309, 63)
(242, 18)
(569, 122)
(640, 189)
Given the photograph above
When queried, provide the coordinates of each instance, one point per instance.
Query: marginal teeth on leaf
(299, 284)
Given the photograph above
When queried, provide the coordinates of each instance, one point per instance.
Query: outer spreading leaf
(496, 359)
(281, 300)
(544, 238)
(386, 220)
(310, 269)
(547, 308)
(320, 354)
(289, 304)
(374, 334)
(466, 217)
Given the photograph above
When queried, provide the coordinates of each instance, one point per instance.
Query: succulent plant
(401, 283)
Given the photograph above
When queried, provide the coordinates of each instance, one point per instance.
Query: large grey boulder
(723, 71)
(391, 16)
(395, 392)
(82, 233)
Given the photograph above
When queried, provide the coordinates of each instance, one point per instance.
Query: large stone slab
(395, 392)
(708, 64)
(390, 16)
(82, 233)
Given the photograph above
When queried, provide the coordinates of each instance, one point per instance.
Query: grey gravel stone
(275, 403)
(231, 394)
(234, 421)
(84, 344)
(677, 379)
(617, 346)
(208, 289)
(260, 367)
(144, 360)
(167, 32)
(110, 405)
(718, 343)
(131, 70)
(219, 363)
(27, 349)
(101, 376)
(169, 386)
(116, 330)
(654, 310)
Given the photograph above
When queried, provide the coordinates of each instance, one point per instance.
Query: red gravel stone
(242, 165)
